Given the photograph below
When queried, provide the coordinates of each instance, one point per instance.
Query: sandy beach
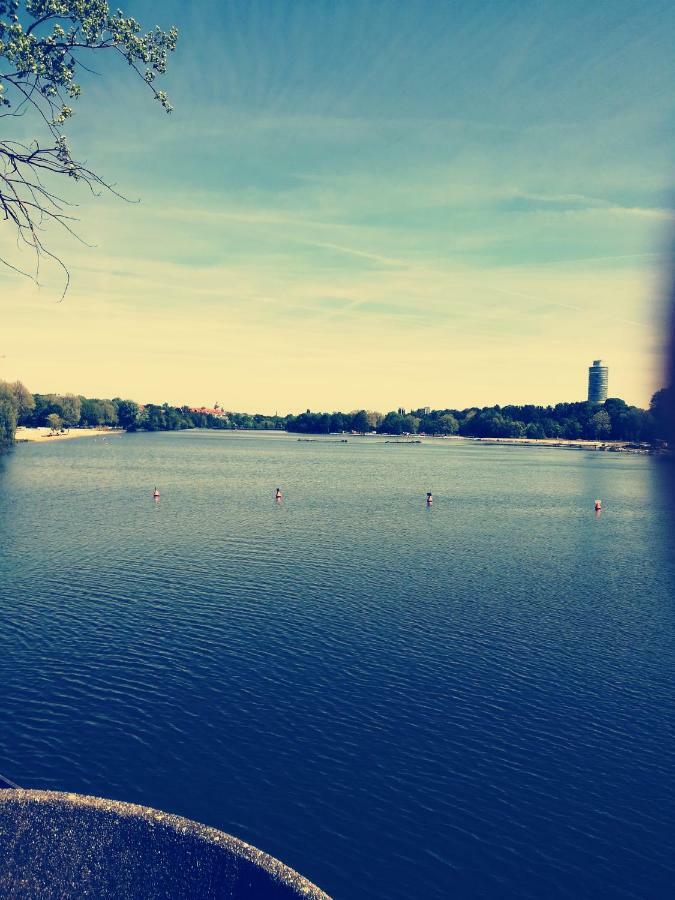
(576, 444)
(44, 435)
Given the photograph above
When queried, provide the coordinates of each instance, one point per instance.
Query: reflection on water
(398, 701)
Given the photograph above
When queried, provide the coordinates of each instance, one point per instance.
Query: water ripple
(468, 701)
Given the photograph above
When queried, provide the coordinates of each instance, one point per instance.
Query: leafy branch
(42, 43)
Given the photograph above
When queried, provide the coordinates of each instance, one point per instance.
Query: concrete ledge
(57, 845)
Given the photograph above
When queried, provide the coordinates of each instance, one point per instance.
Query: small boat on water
(156, 494)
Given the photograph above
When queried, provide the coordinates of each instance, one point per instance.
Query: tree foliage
(15, 401)
(614, 420)
(55, 422)
(662, 409)
(43, 47)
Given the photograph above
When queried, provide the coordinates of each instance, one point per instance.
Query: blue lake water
(471, 700)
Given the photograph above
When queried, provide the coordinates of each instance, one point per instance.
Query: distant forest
(612, 420)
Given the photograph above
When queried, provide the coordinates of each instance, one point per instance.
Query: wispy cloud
(352, 251)
(443, 186)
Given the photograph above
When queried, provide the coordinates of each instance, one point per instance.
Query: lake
(469, 700)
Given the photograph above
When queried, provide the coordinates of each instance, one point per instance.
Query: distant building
(216, 411)
(598, 378)
(401, 410)
(426, 410)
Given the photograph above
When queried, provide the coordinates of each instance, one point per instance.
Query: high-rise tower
(598, 377)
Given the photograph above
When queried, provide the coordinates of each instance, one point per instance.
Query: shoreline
(559, 443)
(556, 443)
(567, 444)
(26, 435)
(43, 435)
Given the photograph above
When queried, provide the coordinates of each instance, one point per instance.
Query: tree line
(612, 420)
(18, 407)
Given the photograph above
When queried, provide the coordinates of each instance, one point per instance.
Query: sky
(366, 204)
